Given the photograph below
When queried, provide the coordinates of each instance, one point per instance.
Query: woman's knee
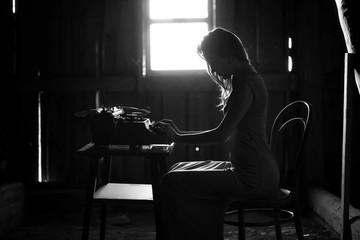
(175, 166)
(168, 186)
(168, 180)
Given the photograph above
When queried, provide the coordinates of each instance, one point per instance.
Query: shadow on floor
(54, 216)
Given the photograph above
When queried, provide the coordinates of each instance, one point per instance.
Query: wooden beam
(346, 145)
(348, 13)
(328, 207)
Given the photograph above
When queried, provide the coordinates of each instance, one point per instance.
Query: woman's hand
(165, 128)
(172, 124)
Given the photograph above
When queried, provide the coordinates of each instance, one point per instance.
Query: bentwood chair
(288, 137)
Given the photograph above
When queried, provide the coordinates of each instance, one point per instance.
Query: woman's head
(222, 43)
(222, 49)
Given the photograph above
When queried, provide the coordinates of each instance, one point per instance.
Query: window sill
(178, 82)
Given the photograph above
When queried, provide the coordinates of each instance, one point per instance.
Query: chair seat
(283, 193)
(260, 217)
(249, 203)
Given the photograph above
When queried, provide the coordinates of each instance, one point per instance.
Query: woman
(195, 195)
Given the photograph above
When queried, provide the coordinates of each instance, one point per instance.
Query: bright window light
(171, 9)
(173, 46)
(39, 164)
(290, 64)
(13, 6)
(174, 28)
(289, 42)
(290, 60)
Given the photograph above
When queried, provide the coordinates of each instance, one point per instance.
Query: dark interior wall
(73, 51)
(6, 69)
(320, 57)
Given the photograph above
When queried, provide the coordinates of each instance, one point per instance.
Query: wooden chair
(287, 139)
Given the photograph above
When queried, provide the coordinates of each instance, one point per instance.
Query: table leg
(89, 198)
(103, 220)
(156, 167)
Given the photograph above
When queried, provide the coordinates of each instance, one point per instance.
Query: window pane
(170, 9)
(173, 46)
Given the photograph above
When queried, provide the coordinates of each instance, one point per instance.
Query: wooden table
(101, 189)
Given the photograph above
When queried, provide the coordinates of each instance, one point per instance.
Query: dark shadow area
(58, 214)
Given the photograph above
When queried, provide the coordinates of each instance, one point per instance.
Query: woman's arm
(242, 98)
(176, 129)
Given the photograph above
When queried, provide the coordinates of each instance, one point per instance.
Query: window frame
(146, 70)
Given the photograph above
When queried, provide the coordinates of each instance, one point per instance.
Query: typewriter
(122, 125)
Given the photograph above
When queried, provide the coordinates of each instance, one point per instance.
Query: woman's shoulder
(252, 80)
(253, 77)
(255, 83)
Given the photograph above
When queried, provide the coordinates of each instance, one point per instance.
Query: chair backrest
(288, 136)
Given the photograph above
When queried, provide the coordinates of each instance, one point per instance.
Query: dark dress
(195, 195)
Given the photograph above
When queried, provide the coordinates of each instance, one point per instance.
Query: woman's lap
(205, 179)
(194, 197)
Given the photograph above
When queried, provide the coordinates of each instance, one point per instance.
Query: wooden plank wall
(70, 51)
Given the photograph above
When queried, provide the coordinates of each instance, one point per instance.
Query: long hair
(222, 43)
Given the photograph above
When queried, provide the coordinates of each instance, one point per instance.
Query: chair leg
(277, 224)
(241, 224)
(86, 224)
(89, 197)
(297, 219)
(299, 231)
(103, 221)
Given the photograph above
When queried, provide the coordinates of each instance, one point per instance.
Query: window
(173, 30)
(290, 60)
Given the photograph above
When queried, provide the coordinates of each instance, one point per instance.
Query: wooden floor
(56, 215)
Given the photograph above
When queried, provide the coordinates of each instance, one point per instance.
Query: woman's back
(250, 153)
